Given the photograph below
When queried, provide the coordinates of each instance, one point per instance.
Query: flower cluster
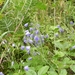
(61, 30)
(33, 35)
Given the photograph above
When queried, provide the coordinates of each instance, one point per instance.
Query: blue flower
(26, 24)
(31, 29)
(25, 41)
(30, 58)
(61, 30)
(26, 68)
(37, 32)
(36, 38)
(71, 22)
(26, 31)
(31, 35)
(27, 48)
(1, 73)
(27, 34)
(58, 26)
(56, 34)
(22, 47)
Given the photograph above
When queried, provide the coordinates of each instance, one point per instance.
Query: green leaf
(31, 72)
(63, 72)
(72, 67)
(59, 53)
(5, 34)
(15, 74)
(41, 6)
(58, 45)
(52, 73)
(43, 70)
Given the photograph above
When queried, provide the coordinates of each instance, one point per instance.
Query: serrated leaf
(63, 72)
(43, 70)
(72, 67)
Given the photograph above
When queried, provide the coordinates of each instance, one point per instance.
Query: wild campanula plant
(33, 35)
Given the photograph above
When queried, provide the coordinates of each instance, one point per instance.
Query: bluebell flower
(71, 22)
(36, 38)
(22, 47)
(56, 34)
(1, 73)
(26, 68)
(37, 32)
(30, 58)
(26, 24)
(58, 26)
(26, 31)
(31, 35)
(27, 48)
(31, 29)
(27, 34)
(25, 41)
(61, 30)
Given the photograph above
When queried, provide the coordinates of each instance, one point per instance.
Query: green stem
(4, 6)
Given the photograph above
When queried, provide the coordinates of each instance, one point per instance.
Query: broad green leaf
(52, 71)
(43, 70)
(63, 72)
(31, 72)
(58, 45)
(72, 67)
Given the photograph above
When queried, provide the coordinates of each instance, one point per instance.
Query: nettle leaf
(31, 72)
(63, 72)
(72, 67)
(43, 70)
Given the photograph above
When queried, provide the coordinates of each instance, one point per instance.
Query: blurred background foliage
(48, 13)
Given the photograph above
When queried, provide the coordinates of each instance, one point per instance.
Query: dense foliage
(37, 37)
